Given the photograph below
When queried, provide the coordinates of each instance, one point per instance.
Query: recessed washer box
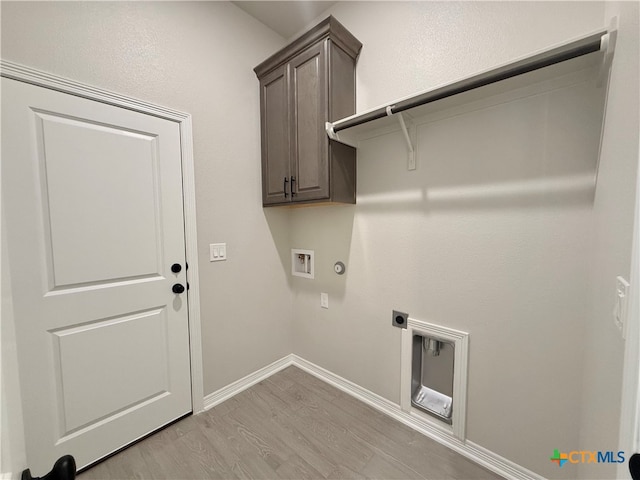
(302, 262)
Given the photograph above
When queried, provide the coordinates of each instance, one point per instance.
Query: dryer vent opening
(432, 376)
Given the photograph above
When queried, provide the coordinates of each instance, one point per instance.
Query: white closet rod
(567, 51)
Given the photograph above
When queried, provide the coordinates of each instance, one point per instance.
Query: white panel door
(92, 199)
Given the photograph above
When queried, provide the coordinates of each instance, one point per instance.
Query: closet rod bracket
(607, 46)
(331, 133)
(411, 156)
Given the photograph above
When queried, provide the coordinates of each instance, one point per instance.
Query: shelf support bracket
(607, 46)
(411, 157)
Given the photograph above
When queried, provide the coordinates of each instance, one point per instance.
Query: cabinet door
(309, 142)
(276, 156)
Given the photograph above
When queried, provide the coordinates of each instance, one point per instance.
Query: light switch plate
(217, 252)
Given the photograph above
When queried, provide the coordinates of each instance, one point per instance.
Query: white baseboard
(238, 386)
(472, 451)
(498, 464)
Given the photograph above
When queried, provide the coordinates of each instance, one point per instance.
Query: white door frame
(22, 73)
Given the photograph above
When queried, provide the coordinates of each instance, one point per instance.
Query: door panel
(308, 135)
(309, 85)
(88, 367)
(79, 209)
(92, 196)
(275, 137)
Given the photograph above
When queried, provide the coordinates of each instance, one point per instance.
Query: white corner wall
(196, 57)
(613, 212)
(443, 243)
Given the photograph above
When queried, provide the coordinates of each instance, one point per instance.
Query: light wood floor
(290, 426)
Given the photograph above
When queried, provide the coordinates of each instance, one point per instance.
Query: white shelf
(589, 54)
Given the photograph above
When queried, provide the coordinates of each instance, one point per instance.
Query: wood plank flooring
(290, 426)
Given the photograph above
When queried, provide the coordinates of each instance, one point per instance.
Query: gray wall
(196, 57)
(531, 278)
(613, 211)
(445, 242)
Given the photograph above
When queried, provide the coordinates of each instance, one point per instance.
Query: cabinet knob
(177, 288)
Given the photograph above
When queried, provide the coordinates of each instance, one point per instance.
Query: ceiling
(286, 18)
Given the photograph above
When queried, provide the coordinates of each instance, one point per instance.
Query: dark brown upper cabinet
(309, 82)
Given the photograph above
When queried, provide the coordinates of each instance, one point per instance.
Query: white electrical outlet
(324, 300)
(621, 303)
